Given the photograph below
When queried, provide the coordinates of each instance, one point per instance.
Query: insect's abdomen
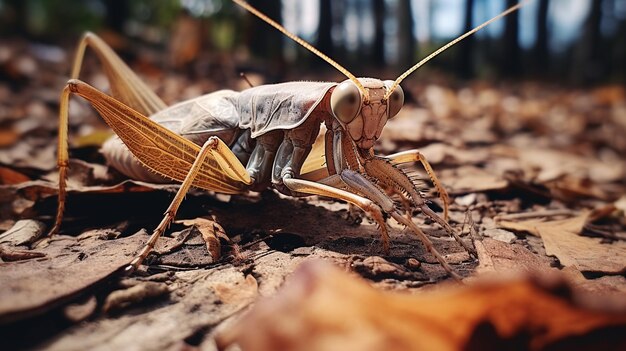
(197, 120)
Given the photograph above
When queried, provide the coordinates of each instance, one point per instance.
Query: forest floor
(536, 171)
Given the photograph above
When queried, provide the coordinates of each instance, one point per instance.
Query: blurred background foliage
(569, 41)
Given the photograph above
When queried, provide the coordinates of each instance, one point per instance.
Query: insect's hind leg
(126, 86)
(209, 146)
(62, 156)
(155, 146)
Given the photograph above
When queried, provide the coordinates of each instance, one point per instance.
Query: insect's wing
(158, 148)
(202, 117)
(278, 106)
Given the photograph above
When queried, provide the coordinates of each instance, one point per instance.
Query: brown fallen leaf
(70, 266)
(23, 232)
(11, 176)
(585, 253)
(562, 239)
(323, 308)
(553, 164)
(470, 179)
(498, 257)
(211, 233)
(238, 292)
(81, 310)
(10, 254)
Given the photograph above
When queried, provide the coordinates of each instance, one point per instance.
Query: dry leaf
(211, 233)
(497, 257)
(140, 292)
(71, 266)
(23, 232)
(554, 164)
(470, 179)
(238, 292)
(585, 253)
(561, 239)
(323, 308)
(80, 311)
(10, 176)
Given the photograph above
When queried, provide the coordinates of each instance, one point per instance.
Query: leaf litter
(529, 163)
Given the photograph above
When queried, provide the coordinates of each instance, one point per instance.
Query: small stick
(526, 215)
(244, 77)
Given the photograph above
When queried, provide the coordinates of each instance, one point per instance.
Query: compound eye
(396, 99)
(345, 102)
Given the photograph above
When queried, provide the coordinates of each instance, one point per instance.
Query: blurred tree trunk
(540, 51)
(588, 60)
(406, 40)
(265, 41)
(116, 14)
(325, 29)
(465, 64)
(619, 52)
(378, 48)
(16, 21)
(511, 63)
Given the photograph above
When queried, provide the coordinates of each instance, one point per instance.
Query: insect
(233, 142)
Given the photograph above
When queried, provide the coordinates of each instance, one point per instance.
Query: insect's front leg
(386, 174)
(411, 156)
(351, 186)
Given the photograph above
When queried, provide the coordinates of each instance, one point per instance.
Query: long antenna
(302, 42)
(445, 47)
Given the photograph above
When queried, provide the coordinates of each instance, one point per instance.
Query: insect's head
(364, 114)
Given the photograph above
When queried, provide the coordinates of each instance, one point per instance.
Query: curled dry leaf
(323, 308)
(11, 254)
(211, 233)
(23, 232)
(80, 311)
(140, 292)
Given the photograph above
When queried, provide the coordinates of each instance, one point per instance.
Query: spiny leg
(170, 213)
(414, 156)
(62, 157)
(126, 86)
(390, 176)
(372, 207)
(213, 147)
(362, 185)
